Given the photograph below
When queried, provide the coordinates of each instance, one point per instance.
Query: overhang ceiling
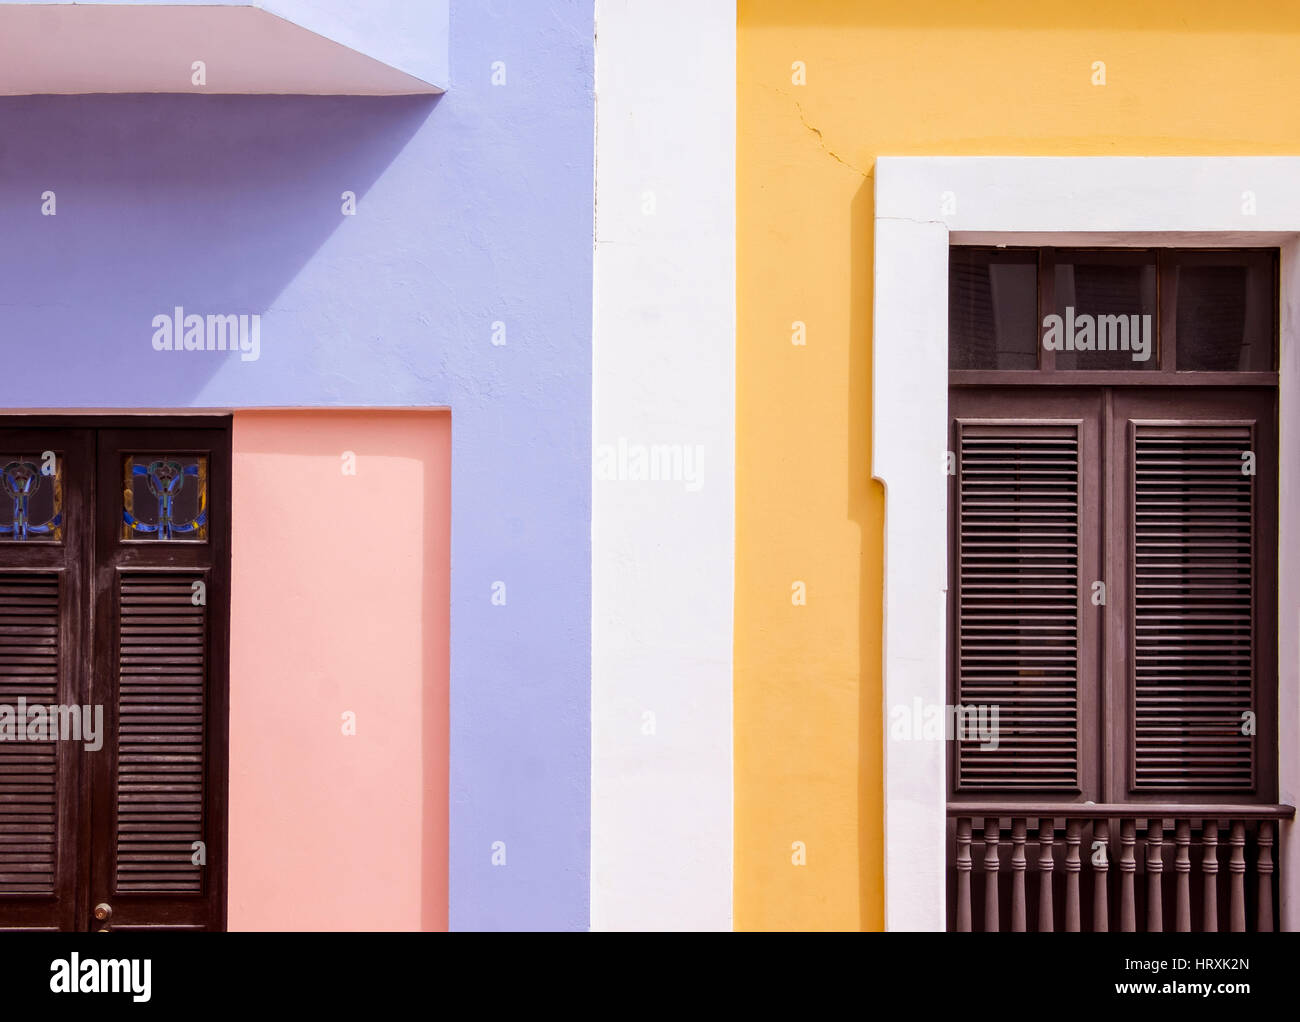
(305, 47)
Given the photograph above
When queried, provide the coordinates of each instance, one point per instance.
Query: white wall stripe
(663, 424)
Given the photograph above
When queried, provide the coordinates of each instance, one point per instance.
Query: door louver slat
(1018, 603)
(1193, 582)
(160, 751)
(29, 669)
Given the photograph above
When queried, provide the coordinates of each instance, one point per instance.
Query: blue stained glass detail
(21, 481)
(166, 483)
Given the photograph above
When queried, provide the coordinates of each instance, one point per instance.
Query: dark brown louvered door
(101, 621)
(1167, 690)
(1193, 661)
(1024, 554)
(159, 845)
(44, 660)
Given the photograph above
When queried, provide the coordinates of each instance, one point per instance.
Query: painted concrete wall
(339, 605)
(473, 209)
(1010, 77)
(663, 357)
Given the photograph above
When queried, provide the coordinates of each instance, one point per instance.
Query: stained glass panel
(165, 497)
(31, 497)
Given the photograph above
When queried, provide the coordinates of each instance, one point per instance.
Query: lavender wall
(472, 208)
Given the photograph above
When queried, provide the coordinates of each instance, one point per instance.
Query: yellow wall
(901, 78)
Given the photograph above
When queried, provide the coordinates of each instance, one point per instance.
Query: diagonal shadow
(214, 203)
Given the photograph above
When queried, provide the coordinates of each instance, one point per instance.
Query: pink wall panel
(339, 603)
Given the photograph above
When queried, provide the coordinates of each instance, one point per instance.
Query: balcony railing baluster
(1183, 876)
(1155, 874)
(1018, 876)
(1072, 869)
(1237, 878)
(991, 864)
(1100, 860)
(1252, 832)
(963, 875)
(1210, 870)
(1264, 869)
(1127, 867)
(1046, 863)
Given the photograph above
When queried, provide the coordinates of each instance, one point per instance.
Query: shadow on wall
(212, 203)
(867, 509)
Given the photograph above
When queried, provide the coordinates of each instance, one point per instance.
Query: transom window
(1170, 315)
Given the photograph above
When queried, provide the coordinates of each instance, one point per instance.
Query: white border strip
(1033, 200)
(663, 551)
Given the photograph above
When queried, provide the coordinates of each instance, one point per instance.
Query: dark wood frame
(1167, 260)
(93, 556)
(983, 395)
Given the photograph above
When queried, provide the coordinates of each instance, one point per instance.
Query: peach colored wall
(339, 602)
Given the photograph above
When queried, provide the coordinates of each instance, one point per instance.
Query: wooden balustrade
(1156, 848)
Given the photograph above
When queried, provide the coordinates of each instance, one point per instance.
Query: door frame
(217, 720)
(922, 206)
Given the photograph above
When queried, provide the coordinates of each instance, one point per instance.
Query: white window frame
(924, 204)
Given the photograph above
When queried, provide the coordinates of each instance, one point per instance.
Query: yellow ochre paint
(900, 78)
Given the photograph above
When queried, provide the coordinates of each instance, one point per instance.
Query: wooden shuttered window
(1018, 602)
(1113, 592)
(1193, 588)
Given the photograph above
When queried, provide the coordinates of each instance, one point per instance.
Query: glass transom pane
(1105, 313)
(1225, 315)
(31, 497)
(165, 497)
(992, 309)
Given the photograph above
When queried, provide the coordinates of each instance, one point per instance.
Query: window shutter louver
(1193, 582)
(160, 747)
(1018, 603)
(29, 770)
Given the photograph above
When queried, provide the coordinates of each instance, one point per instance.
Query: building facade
(519, 465)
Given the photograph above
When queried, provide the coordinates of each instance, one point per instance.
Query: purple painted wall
(472, 208)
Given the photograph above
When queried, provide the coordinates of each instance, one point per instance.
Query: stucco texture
(895, 78)
(473, 209)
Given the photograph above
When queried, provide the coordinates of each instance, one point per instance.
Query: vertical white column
(663, 381)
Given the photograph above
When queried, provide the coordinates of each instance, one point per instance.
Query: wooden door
(46, 477)
(117, 606)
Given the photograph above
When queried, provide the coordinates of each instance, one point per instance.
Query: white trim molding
(922, 205)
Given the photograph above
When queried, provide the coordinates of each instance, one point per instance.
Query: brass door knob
(103, 911)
